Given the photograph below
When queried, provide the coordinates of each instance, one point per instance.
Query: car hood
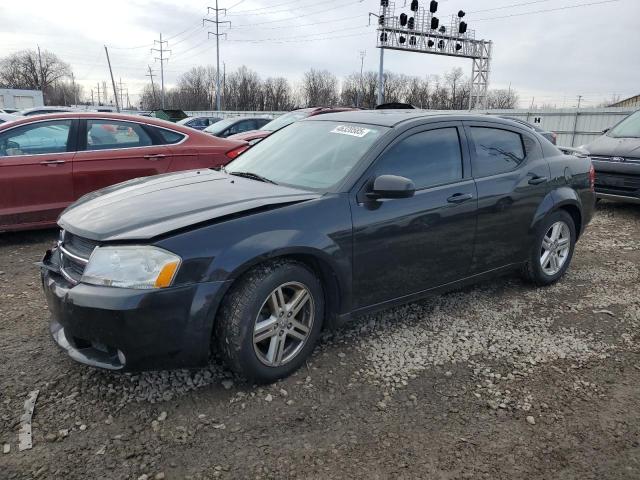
(147, 207)
(607, 146)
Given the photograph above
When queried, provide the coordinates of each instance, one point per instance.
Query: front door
(405, 246)
(114, 151)
(512, 177)
(35, 172)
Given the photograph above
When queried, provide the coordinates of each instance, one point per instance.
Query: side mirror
(392, 186)
(605, 130)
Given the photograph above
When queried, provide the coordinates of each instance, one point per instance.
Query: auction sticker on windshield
(351, 130)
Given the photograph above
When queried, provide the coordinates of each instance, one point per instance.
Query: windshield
(220, 126)
(628, 128)
(312, 155)
(284, 120)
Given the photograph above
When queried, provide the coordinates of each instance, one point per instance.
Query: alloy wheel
(555, 248)
(283, 324)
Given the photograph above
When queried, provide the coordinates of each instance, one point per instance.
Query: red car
(254, 136)
(49, 161)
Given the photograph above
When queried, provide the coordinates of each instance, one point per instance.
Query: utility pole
(113, 82)
(121, 93)
(98, 93)
(75, 92)
(162, 59)
(217, 34)
(41, 75)
(579, 101)
(224, 84)
(92, 97)
(363, 53)
(153, 86)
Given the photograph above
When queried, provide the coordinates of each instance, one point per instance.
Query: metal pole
(41, 75)
(113, 82)
(161, 72)
(217, 59)
(75, 92)
(381, 78)
(575, 123)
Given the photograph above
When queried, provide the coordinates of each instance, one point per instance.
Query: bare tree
(23, 70)
(277, 94)
(502, 99)
(319, 88)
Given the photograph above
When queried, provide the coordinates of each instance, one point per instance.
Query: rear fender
(555, 200)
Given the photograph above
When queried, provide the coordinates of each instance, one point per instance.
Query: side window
(36, 139)
(428, 158)
(169, 136)
(497, 151)
(238, 128)
(109, 134)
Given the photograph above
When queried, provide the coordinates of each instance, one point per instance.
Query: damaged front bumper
(129, 329)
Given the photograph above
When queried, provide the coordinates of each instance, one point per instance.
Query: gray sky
(552, 56)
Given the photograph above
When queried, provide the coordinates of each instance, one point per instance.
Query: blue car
(199, 123)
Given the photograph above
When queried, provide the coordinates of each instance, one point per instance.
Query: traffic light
(412, 41)
(458, 47)
(403, 19)
(433, 6)
(411, 24)
(414, 6)
(463, 27)
(402, 39)
(384, 3)
(435, 23)
(383, 37)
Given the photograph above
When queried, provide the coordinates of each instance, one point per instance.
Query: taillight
(237, 151)
(592, 178)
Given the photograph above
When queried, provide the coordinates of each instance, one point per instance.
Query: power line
(300, 16)
(285, 10)
(568, 7)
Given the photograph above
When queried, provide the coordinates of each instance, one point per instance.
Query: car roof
(105, 115)
(392, 118)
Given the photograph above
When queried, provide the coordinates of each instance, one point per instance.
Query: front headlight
(141, 267)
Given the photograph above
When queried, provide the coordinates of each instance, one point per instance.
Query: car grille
(599, 158)
(617, 183)
(74, 255)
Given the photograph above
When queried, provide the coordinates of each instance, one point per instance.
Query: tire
(258, 305)
(533, 270)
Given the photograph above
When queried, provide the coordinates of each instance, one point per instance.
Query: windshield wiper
(252, 176)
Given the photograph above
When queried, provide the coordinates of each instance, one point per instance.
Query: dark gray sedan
(616, 158)
(329, 218)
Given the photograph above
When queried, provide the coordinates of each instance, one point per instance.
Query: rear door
(36, 172)
(512, 177)
(404, 246)
(113, 151)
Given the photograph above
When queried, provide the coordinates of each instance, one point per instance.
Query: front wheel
(270, 320)
(553, 249)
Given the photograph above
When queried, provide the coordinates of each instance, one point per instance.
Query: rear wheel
(270, 320)
(553, 248)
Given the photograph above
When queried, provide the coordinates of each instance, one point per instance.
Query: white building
(20, 99)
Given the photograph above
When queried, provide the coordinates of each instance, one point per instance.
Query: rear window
(496, 151)
(169, 136)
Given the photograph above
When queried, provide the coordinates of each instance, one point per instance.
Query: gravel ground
(501, 380)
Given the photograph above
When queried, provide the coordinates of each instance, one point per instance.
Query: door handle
(158, 156)
(537, 180)
(52, 162)
(459, 198)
